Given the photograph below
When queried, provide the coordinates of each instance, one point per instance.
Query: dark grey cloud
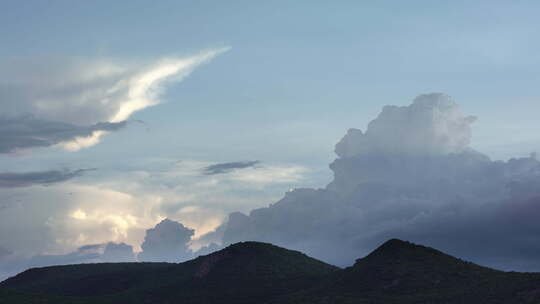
(27, 179)
(411, 175)
(166, 242)
(27, 131)
(228, 167)
(90, 247)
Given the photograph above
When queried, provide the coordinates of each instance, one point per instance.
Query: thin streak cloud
(27, 179)
(228, 167)
(144, 89)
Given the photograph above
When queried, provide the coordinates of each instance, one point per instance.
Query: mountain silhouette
(253, 272)
(403, 272)
(241, 273)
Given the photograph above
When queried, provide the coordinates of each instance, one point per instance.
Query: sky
(117, 115)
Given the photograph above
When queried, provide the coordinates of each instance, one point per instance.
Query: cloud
(84, 254)
(27, 131)
(166, 242)
(121, 252)
(79, 101)
(432, 124)
(93, 253)
(62, 217)
(27, 179)
(15, 263)
(4, 253)
(228, 167)
(411, 175)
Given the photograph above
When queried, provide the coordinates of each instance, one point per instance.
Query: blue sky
(313, 65)
(296, 75)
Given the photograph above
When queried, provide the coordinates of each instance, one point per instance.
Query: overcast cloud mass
(411, 175)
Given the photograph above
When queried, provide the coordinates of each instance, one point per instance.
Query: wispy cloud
(99, 94)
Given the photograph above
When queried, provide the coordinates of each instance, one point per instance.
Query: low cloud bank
(168, 241)
(411, 175)
(11, 264)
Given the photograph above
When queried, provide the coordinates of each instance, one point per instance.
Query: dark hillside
(252, 272)
(243, 273)
(403, 272)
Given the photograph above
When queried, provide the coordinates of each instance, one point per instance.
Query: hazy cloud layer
(93, 253)
(65, 216)
(12, 180)
(167, 242)
(76, 102)
(4, 253)
(411, 175)
(228, 167)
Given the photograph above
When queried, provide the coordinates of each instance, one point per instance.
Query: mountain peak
(252, 255)
(398, 253)
(398, 249)
(401, 265)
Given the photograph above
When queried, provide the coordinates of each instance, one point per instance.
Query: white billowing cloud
(59, 218)
(413, 176)
(88, 93)
(166, 242)
(432, 124)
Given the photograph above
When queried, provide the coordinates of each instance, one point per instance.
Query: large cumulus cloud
(74, 102)
(411, 175)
